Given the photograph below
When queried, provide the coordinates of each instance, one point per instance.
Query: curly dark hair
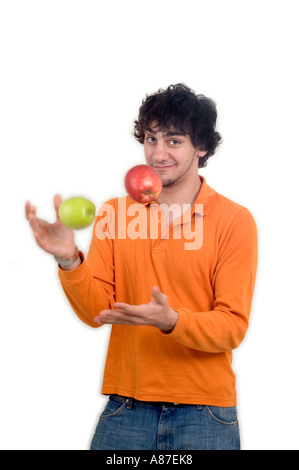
(180, 108)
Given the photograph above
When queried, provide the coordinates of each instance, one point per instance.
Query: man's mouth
(162, 167)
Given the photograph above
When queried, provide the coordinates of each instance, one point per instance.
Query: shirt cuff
(75, 275)
(181, 326)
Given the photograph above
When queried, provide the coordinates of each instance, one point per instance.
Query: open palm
(54, 238)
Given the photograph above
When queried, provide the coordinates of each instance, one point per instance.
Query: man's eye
(174, 142)
(150, 139)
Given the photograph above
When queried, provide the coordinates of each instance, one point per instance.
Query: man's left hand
(156, 313)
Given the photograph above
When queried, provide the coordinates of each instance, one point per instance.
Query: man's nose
(161, 152)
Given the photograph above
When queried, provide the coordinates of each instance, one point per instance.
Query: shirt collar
(201, 203)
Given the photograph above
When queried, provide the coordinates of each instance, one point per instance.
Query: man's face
(171, 154)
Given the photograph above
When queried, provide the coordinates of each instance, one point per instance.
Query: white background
(73, 74)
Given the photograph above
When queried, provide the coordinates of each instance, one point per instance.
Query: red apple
(143, 183)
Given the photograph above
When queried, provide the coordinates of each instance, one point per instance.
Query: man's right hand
(55, 238)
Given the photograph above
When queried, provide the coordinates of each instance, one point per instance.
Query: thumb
(159, 296)
(57, 202)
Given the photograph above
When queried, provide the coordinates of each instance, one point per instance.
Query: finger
(98, 320)
(123, 306)
(41, 241)
(57, 202)
(114, 317)
(38, 239)
(113, 314)
(120, 321)
(159, 296)
(27, 209)
(103, 320)
(33, 219)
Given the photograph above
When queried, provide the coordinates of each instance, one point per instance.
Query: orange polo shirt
(205, 262)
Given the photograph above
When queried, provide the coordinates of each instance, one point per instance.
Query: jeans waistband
(130, 401)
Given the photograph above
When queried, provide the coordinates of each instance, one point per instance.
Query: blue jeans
(128, 424)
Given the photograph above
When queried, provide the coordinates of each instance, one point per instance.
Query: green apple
(77, 213)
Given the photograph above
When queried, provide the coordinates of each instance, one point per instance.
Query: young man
(176, 282)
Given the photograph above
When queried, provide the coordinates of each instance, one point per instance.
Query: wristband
(67, 262)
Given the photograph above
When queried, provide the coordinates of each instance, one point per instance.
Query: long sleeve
(90, 287)
(223, 328)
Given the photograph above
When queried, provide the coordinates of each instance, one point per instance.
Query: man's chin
(168, 183)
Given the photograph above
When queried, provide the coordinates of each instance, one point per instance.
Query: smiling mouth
(162, 167)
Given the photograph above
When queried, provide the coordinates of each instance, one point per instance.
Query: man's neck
(180, 193)
(176, 196)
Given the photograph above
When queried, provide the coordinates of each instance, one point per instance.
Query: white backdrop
(73, 74)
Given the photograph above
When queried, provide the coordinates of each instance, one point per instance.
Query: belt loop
(129, 403)
(199, 407)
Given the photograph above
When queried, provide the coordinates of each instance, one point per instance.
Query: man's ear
(201, 153)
